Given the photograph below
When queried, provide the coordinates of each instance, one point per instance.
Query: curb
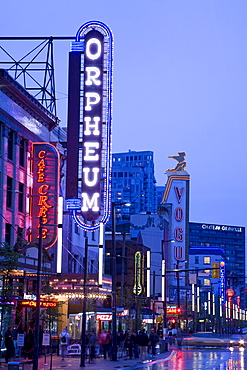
(152, 362)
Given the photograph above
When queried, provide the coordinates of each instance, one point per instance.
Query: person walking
(64, 341)
(9, 344)
(153, 340)
(142, 340)
(92, 344)
(104, 338)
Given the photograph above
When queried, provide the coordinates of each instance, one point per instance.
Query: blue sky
(180, 84)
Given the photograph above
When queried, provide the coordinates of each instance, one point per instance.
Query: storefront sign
(44, 304)
(45, 193)
(137, 285)
(104, 317)
(173, 310)
(222, 281)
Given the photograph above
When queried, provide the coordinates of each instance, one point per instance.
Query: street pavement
(73, 362)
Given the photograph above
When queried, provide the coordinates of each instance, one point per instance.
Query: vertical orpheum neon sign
(89, 126)
(92, 125)
(45, 193)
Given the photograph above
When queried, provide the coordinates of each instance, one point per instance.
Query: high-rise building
(133, 181)
(231, 239)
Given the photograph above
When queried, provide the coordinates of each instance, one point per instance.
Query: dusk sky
(180, 84)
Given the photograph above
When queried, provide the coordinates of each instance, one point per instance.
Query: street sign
(46, 339)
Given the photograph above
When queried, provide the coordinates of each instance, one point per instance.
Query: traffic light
(216, 272)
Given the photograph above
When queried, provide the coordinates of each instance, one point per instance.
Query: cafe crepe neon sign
(45, 193)
(96, 145)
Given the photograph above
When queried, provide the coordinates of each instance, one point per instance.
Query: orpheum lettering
(92, 125)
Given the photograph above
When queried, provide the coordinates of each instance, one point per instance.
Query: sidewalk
(73, 363)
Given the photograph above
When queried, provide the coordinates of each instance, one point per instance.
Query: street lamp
(163, 273)
(114, 279)
(37, 312)
(178, 288)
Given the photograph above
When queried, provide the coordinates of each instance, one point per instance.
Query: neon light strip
(169, 183)
(59, 235)
(148, 274)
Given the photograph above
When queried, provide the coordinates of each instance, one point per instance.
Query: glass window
(22, 153)
(10, 145)
(21, 198)
(77, 229)
(196, 260)
(7, 233)
(9, 192)
(206, 260)
(206, 282)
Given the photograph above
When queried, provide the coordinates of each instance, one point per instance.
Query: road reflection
(221, 359)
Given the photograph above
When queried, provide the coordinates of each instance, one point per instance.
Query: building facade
(133, 181)
(230, 240)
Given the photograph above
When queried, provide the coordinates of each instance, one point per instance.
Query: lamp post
(84, 308)
(178, 288)
(114, 284)
(37, 311)
(114, 279)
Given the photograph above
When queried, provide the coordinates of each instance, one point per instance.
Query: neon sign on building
(45, 193)
(89, 126)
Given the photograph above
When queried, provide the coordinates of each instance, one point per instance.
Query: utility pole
(37, 311)
(114, 285)
(84, 309)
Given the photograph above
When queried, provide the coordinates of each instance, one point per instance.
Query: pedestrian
(142, 340)
(104, 338)
(153, 340)
(129, 344)
(170, 337)
(9, 344)
(135, 345)
(14, 336)
(92, 341)
(64, 341)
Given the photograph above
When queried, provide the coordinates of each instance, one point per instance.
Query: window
(21, 198)
(22, 153)
(9, 192)
(77, 230)
(7, 233)
(206, 260)
(196, 260)
(206, 282)
(10, 145)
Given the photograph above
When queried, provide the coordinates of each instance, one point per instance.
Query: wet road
(206, 359)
